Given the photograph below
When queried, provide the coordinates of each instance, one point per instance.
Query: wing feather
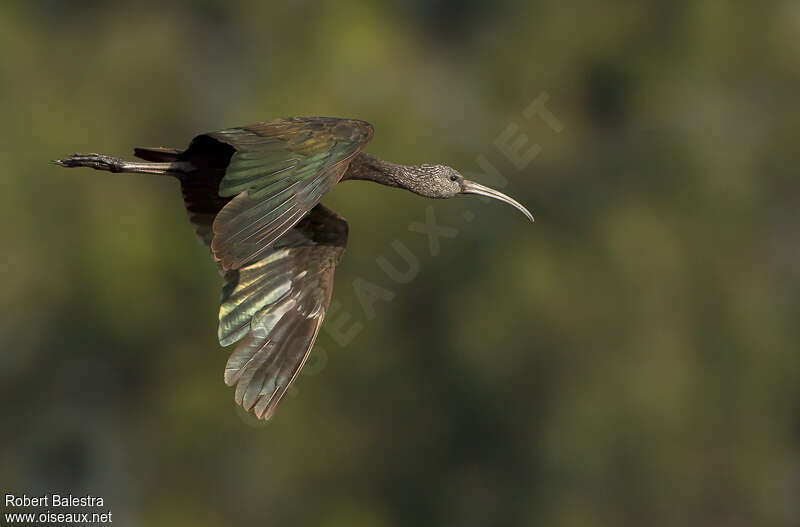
(279, 170)
(253, 199)
(274, 308)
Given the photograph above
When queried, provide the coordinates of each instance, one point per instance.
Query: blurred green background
(630, 359)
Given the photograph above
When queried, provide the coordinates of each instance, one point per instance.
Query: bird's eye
(454, 178)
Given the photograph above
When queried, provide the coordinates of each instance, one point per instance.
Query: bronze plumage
(252, 194)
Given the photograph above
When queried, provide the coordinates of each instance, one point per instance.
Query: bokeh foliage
(630, 359)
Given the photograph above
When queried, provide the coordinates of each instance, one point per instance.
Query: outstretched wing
(274, 308)
(278, 171)
(249, 198)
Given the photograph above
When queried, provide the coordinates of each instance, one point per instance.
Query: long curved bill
(470, 187)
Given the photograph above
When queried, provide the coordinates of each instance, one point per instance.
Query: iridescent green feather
(275, 308)
(277, 248)
(278, 172)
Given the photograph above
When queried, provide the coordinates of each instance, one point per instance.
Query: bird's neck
(368, 167)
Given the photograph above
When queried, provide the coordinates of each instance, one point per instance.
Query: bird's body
(252, 194)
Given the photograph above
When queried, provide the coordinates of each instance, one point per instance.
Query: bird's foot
(96, 161)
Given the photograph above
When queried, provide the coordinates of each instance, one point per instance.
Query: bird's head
(440, 181)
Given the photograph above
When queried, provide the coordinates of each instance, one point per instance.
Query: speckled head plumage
(427, 180)
(433, 181)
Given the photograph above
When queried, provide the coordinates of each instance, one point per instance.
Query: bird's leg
(114, 164)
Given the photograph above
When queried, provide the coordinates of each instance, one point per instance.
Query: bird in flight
(253, 197)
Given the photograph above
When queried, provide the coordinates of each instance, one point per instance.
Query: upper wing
(275, 307)
(278, 171)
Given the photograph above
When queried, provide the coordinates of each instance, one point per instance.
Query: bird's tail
(114, 164)
(157, 154)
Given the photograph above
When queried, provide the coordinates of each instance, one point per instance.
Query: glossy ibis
(252, 194)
